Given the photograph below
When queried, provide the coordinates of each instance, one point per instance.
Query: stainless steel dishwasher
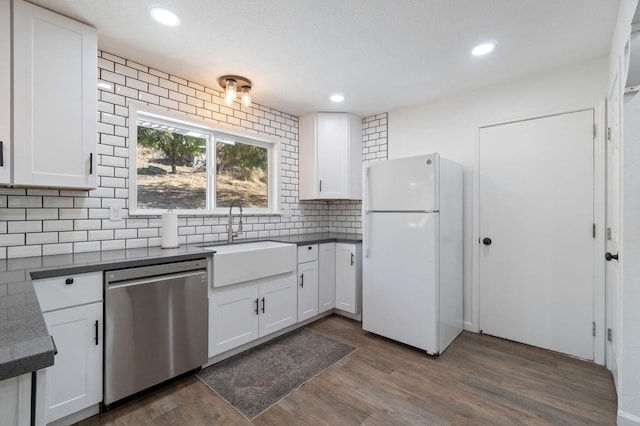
(156, 325)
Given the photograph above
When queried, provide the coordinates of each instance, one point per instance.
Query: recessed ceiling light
(337, 98)
(164, 16)
(484, 48)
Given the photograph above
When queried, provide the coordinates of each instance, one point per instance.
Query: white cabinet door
(54, 103)
(15, 400)
(346, 290)
(330, 156)
(278, 303)
(326, 277)
(74, 382)
(333, 155)
(307, 290)
(233, 317)
(5, 91)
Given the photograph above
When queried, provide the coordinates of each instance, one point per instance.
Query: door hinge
(609, 334)
(593, 329)
(609, 234)
(608, 133)
(594, 230)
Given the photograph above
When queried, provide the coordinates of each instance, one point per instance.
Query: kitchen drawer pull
(263, 305)
(310, 247)
(351, 259)
(68, 281)
(302, 280)
(257, 306)
(91, 163)
(96, 327)
(1, 154)
(55, 348)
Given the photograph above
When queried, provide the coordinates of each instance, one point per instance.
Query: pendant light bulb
(230, 92)
(246, 96)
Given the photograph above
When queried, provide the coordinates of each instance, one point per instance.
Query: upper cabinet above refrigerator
(330, 163)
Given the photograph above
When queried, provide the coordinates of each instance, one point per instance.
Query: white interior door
(536, 206)
(612, 239)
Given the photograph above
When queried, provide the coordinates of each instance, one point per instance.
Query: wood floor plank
(478, 380)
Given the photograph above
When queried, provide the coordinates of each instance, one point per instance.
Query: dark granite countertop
(25, 344)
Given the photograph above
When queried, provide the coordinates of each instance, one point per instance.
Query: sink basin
(240, 262)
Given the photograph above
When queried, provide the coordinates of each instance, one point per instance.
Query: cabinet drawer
(307, 253)
(68, 290)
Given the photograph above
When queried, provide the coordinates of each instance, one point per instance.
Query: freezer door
(400, 273)
(405, 184)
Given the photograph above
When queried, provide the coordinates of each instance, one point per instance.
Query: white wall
(629, 335)
(449, 126)
(627, 320)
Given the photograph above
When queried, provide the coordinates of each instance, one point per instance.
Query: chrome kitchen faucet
(230, 233)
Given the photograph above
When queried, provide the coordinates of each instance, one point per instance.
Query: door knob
(610, 256)
(486, 241)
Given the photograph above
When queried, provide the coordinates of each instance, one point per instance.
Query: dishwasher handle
(150, 280)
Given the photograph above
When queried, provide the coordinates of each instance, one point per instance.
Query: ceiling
(381, 54)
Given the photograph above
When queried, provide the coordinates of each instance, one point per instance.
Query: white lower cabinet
(348, 277)
(73, 312)
(326, 277)
(74, 382)
(307, 290)
(241, 313)
(15, 400)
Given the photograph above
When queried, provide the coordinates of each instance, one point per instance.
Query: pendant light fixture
(234, 85)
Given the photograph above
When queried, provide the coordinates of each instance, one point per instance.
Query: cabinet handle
(1, 154)
(302, 280)
(96, 328)
(68, 281)
(320, 185)
(91, 163)
(257, 308)
(351, 259)
(55, 348)
(263, 305)
(309, 248)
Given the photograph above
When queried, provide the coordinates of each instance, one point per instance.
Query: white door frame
(599, 159)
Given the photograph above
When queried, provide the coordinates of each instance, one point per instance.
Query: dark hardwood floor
(479, 380)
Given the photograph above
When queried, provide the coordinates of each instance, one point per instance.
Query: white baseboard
(469, 326)
(627, 419)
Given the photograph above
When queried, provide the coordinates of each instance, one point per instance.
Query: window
(191, 168)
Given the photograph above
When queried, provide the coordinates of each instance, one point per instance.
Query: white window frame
(214, 131)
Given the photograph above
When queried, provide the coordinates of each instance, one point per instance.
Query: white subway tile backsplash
(72, 236)
(73, 213)
(40, 214)
(53, 249)
(57, 225)
(12, 239)
(15, 227)
(42, 238)
(12, 214)
(24, 251)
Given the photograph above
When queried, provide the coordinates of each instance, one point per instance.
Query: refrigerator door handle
(367, 185)
(367, 232)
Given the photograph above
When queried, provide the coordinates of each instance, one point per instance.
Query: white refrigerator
(412, 241)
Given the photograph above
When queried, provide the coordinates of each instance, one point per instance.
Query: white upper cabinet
(330, 156)
(54, 99)
(5, 92)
